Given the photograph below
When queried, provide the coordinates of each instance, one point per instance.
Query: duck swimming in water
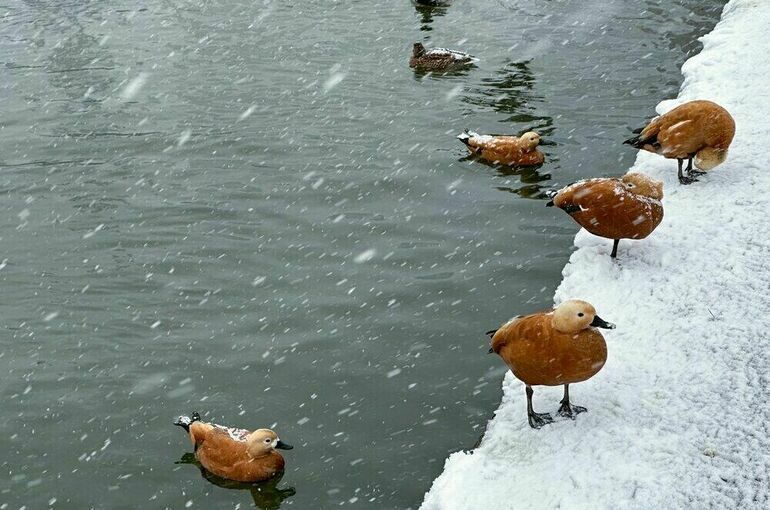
(438, 59)
(553, 348)
(235, 454)
(507, 150)
(625, 208)
(700, 130)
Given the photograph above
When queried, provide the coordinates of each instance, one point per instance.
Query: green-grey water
(256, 210)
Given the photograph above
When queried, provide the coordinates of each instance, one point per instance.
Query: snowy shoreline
(678, 416)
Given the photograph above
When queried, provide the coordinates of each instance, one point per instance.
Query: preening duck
(508, 150)
(438, 59)
(235, 454)
(700, 129)
(625, 208)
(552, 348)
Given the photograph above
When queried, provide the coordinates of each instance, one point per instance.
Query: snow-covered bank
(678, 417)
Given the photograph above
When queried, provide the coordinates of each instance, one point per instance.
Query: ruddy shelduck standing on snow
(553, 348)
(508, 150)
(625, 208)
(235, 454)
(702, 130)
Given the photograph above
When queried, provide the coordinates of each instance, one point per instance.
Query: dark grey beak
(598, 322)
(283, 446)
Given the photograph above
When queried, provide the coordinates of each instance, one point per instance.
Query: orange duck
(235, 454)
(698, 129)
(553, 348)
(625, 208)
(508, 150)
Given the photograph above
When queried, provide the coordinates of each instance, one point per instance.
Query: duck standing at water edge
(702, 130)
(553, 348)
(625, 208)
(507, 150)
(235, 454)
(439, 59)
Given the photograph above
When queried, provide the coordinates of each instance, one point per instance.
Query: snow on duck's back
(439, 59)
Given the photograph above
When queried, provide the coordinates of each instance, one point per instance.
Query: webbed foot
(567, 410)
(537, 420)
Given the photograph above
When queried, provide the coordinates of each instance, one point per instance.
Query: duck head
(418, 50)
(530, 140)
(575, 315)
(262, 442)
(710, 157)
(644, 185)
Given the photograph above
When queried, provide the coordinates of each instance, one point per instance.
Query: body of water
(256, 210)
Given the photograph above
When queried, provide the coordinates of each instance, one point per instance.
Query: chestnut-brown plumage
(235, 454)
(553, 348)
(438, 59)
(700, 129)
(507, 150)
(625, 208)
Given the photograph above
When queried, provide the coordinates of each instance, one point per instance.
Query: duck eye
(267, 440)
(581, 314)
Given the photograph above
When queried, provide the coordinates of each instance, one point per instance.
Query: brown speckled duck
(553, 348)
(235, 454)
(700, 129)
(625, 208)
(508, 150)
(438, 59)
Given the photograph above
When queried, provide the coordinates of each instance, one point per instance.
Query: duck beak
(283, 446)
(598, 322)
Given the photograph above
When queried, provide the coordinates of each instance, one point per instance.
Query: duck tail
(465, 136)
(639, 142)
(551, 194)
(185, 421)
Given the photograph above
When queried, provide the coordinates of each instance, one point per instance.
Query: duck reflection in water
(429, 8)
(530, 177)
(266, 495)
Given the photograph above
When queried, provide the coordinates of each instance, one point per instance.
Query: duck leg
(536, 420)
(685, 179)
(691, 171)
(567, 409)
(615, 248)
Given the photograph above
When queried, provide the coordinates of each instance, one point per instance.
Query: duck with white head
(553, 348)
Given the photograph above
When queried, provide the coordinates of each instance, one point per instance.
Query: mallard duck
(700, 129)
(625, 208)
(438, 59)
(553, 348)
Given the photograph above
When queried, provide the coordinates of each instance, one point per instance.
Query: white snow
(678, 417)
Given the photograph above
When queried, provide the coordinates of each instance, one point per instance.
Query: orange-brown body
(699, 129)
(539, 354)
(608, 208)
(229, 458)
(508, 150)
